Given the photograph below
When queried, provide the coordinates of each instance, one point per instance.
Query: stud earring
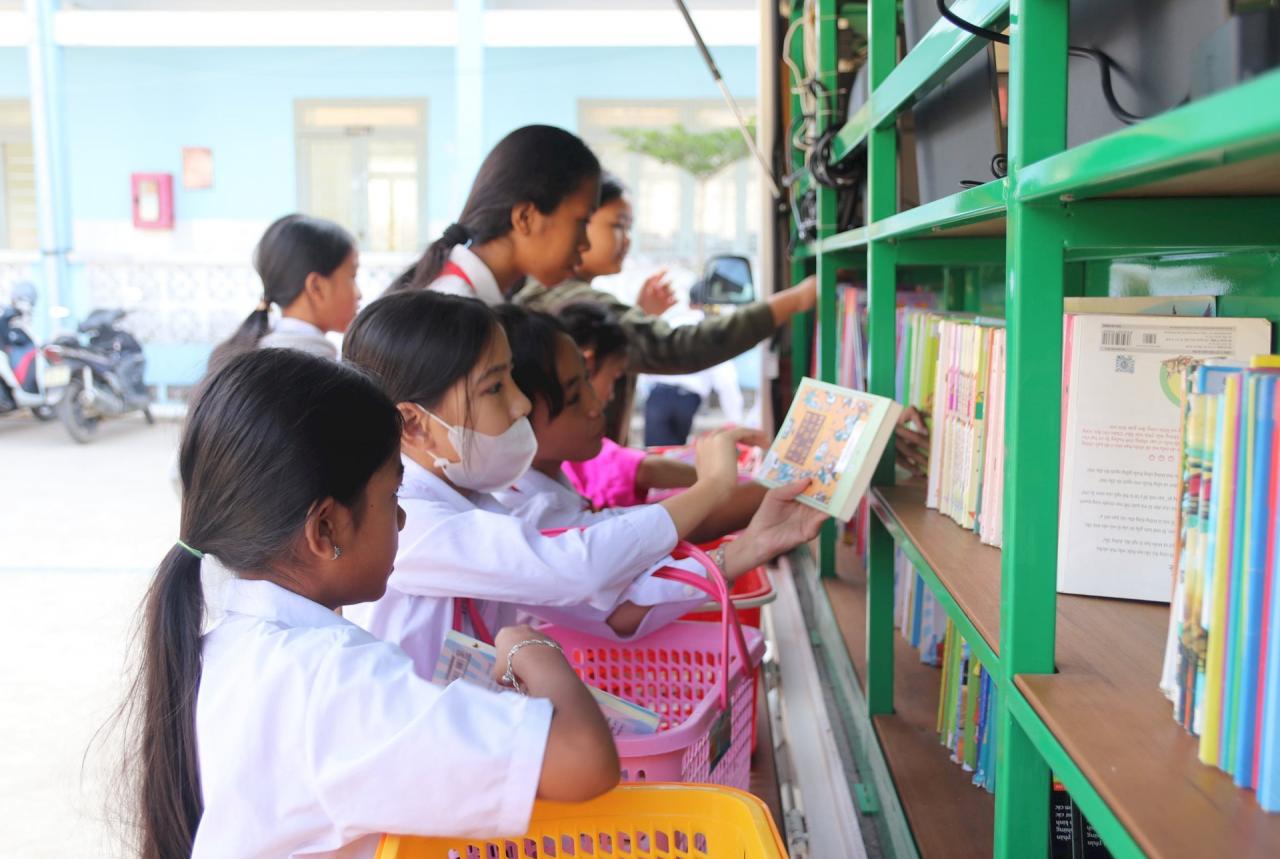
(337, 552)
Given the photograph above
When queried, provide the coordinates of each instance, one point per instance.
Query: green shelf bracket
(985, 650)
(1099, 814)
(942, 50)
(1105, 229)
(970, 206)
(952, 252)
(868, 802)
(1223, 129)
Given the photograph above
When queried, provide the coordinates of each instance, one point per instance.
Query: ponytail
(538, 164)
(254, 328)
(290, 250)
(271, 433)
(432, 263)
(170, 801)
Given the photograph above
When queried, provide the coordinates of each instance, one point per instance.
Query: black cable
(974, 29)
(1105, 63)
(841, 175)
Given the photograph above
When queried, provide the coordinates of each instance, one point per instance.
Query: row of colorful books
(1120, 425)
(952, 368)
(967, 707)
(1222, 660)
(917, 614)
(967, 697)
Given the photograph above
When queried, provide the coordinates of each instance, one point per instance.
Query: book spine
(1223, 517)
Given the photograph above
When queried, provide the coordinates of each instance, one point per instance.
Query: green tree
(701, 154)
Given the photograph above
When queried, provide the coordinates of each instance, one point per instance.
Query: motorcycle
(106, 375)
(29, 377)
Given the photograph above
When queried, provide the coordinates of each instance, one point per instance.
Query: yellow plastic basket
(635, 821)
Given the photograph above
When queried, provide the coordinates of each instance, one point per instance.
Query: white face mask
(489, 462)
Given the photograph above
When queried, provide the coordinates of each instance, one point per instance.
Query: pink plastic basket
(708, 714)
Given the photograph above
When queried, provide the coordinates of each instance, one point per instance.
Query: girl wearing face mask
(464, 562)
(568, 421)
(526, 215)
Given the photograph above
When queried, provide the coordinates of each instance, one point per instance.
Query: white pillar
(469, 94)
(49, 140)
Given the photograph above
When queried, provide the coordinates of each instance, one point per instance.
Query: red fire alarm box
(153, 201)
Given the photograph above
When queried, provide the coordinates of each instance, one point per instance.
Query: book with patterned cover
(834, 436)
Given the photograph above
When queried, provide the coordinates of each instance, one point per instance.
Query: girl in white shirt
(308, 269)
(286, 730)
(464, 560)
(568, 421)
(526, 216)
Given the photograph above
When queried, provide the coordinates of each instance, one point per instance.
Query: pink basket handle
(713, 586)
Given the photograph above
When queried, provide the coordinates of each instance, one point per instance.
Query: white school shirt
(291, 333)
(471, 546)
(552, 502)
(483, 285)
(314, 738)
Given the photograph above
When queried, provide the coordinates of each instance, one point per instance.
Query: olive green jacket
(656, 346)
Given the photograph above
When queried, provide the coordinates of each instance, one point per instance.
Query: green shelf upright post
(827, 24)
(882, 282)
(1033, 306)
(801, 323)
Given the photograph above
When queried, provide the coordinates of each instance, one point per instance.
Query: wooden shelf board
(992, 228)
(764, 770)
(949, 817)
(969, 570)
(1259, 177)
(1106, 712)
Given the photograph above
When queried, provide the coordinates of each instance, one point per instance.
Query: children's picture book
(464, 658)
(835, 436)
(1121, 452)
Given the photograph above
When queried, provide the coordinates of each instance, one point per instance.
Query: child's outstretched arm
(581, 760)
(717, 467)
(732, 516)
(781, 524)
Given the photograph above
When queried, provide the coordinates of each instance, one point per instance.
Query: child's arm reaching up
(717, 468)
(581, 760)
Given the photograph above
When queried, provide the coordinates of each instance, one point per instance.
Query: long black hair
(533, 337)
(594, 326)
(291, 248)
(417, 344)
(272, 432)
(538, 164)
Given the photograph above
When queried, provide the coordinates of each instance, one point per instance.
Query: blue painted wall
(526, 85)
(132, 110)
(13, 73)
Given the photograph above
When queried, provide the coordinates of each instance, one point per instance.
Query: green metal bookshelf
(1194, 186)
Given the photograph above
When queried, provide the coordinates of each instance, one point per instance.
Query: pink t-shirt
(609, 480)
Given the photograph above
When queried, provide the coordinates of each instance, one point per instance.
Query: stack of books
(1222, 665)
(952, 367)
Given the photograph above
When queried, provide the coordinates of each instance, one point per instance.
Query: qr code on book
(1124, 364)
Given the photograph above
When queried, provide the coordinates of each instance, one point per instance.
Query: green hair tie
(195, 553)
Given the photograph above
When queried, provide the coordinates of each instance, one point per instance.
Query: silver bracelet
(510, 677)
(718, 556)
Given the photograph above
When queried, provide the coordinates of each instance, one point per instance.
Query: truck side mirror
(725, 280)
